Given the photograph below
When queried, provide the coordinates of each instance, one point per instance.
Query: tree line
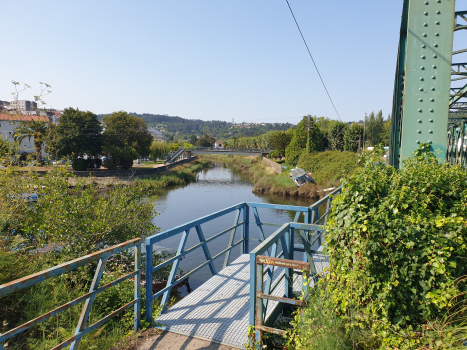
(119, 139)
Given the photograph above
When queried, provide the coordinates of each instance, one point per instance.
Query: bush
(120, 157)
(329, 166)
(397, 246)
(79, 164)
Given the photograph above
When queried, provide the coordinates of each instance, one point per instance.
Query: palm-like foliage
(35, 129)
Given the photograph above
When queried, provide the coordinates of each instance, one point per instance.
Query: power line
(316, 67)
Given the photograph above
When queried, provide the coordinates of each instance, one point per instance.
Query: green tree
(77, 134)
(353, 138)
(314, 138)
(279, 140)
(374, 128)
(206, 141)
(123, 130)
(337, 136)
(35, 129)
(158, 150)
(298, 143)
(193, 139)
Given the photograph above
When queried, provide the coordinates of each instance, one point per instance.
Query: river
(215, 189)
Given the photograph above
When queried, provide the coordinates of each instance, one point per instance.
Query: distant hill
(182, 128)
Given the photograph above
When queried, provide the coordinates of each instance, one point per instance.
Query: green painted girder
(461, 92)
(423, 78)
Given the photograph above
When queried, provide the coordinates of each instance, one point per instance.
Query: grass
(177, 176)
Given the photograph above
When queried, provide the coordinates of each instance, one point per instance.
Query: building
(157, 134)
(218, 144)
(8, 124)
(23, 106)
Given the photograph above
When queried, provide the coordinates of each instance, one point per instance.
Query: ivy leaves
(396, 240)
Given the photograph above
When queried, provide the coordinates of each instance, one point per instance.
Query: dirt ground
(152, 339)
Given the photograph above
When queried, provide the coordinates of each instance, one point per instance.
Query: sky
(204, 59)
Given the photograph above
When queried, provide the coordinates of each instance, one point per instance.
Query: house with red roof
(8, 124)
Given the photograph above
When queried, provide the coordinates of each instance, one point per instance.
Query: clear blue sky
(204, 59)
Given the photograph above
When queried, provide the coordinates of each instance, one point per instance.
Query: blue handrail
(242, 223)
(101, 257)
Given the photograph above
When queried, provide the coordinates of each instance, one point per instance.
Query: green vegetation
(77, 134)
(125, 138)
(182, 129)
(307, 138)
(353, 138)
(177, 176)
(158, 150)
(35, 129)
(206, 141)
(329, 167)
(396, 240)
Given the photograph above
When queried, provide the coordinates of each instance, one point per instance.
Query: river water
(215, 189)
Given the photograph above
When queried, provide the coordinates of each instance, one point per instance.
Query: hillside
(182, 128)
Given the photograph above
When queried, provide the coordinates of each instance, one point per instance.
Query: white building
(8, 124)
(218, 144)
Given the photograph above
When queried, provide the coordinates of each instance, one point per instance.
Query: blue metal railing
(101, 257)
(311, 233)
(242, 223)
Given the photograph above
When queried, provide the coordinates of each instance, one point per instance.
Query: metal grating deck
(218, 310)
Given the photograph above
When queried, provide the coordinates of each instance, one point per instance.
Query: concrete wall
(276, 167)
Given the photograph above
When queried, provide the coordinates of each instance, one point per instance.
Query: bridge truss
(430, 94)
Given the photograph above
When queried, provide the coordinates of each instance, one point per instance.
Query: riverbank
(265, 180)
(175, 176)
(327, 169)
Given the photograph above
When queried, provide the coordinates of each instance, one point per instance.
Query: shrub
(397, 245)
(80, 164)
(329, 166)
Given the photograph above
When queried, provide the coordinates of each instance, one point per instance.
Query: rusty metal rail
(289, 264)
(88, 298)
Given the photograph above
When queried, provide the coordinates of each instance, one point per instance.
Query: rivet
(425, 24)
(425, 13)
(430, 131)
(424, 35)
(433, 77)
(437, 22)
(434, 67)
(420, 99)
(423, 57)
(423, 46)
(432, 89)
(421, 78)
(422, 68)
(419, 131)
(430, 120)
(439, 1)
(426, 2)
(420, 110)
(419, 120)
(435, 56)
(435, 45)
(438, 12)
(429, 141)
(421, 89)
(417, 141)
(431, 110)
(432, 99)
(436, 34)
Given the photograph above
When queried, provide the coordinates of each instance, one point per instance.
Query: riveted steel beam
(423, 78)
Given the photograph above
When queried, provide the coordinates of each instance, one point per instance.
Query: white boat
(300, 177)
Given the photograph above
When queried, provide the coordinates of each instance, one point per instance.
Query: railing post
(246, 230)
(290, 256)
(137, 317)
(252, 317)
(149, 268)
(86, 310)
(258, 302)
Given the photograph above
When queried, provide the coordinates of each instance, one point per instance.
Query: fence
(241, 222)
(101, 257)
